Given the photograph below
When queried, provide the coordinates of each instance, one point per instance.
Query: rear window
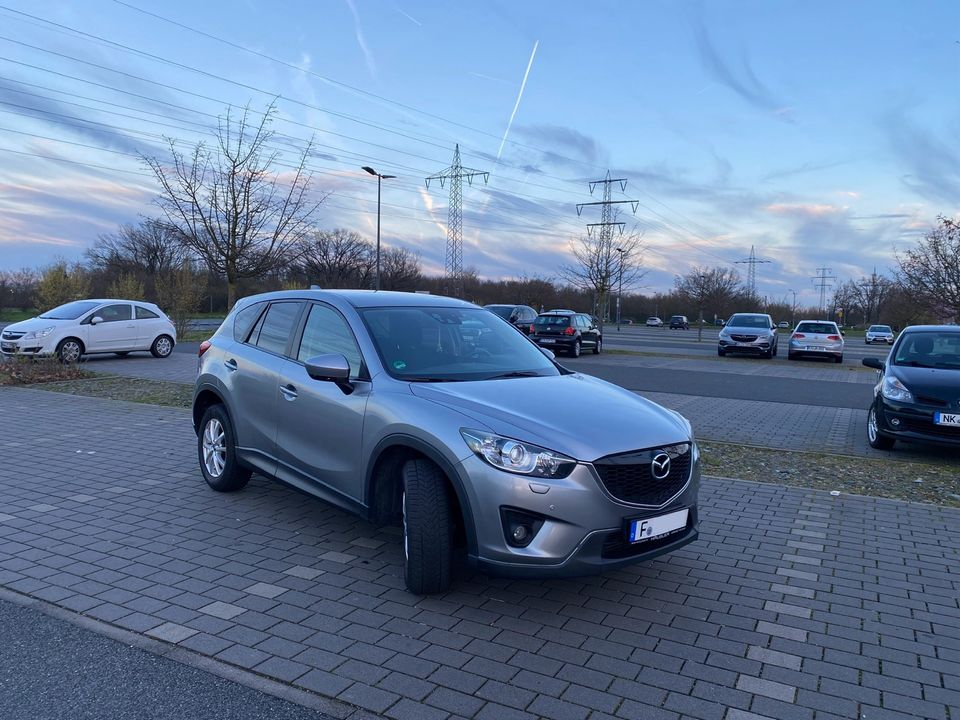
(244, 320)
(504, 311)
(552, 321)
(818, 328)
(144, 314)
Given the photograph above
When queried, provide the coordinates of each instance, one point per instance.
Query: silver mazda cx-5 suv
(438, 414)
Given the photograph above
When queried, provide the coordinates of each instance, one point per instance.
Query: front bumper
(33, 347)
(584, 527)
(911, 422)
(831, 350)
(564, 343)
(879, 339)
(759, 346)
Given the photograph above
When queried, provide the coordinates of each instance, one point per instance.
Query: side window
(114, 313)
(276, 327)
(327, 332)
(144, 314)
(244, 319)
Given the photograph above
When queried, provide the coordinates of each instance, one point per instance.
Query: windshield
(929, 349)
(432, 344)
(818, 328)
(880, 329)
(70, 311)
(749, 321)
(504, 311)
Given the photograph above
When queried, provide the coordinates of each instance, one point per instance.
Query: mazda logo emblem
(660, 466)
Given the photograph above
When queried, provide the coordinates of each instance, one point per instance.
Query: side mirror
(96, 319)
(331, 368)
(548, 353)
(875, 363)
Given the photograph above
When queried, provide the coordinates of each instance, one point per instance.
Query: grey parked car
(434, 412)
(753, 333)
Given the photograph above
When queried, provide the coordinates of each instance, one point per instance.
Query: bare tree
(708, 287)
(400, 269)
(603, 264)
(150, 248)
(337, 259)
(930, 272)
(233, 208)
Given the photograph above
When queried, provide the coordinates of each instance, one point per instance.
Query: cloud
(743, 80)
(582, 148)
(361, 41)
(804, 168)
(932, 163)
(805, 210)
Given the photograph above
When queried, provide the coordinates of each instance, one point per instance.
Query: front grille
(929, 428)
(927, 400)
(628, 477)
(744, 338)
(11, 335)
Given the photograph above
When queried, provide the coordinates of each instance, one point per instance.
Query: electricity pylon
(454, 258)
(823, 281)
(752, 261)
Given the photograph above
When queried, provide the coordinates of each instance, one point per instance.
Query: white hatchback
(85, 327)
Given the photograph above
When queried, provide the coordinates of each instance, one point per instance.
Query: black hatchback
(917, 397)
(566, 331)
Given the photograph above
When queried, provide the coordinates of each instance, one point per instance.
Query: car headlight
(518, 457)
(39, 333)
(893, 389)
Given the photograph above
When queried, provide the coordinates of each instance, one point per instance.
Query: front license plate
(653, 528)
(744, 344)
(946, 419)
(547, 341)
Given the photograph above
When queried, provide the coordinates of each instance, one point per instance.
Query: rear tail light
(204, 346)
(569, 331)
(531, 328)
(798, 336)
(833, 337)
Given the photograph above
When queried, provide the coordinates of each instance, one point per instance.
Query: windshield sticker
(399, 364)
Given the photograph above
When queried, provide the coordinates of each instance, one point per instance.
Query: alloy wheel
(214, 448)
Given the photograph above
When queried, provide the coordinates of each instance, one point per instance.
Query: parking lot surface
(793, 603)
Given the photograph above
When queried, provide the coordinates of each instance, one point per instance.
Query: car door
(319, 423)
(251, 374)
(589, 332)
(149, 325)
(114, 331)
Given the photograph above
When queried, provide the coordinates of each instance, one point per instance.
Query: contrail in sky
(519, 98)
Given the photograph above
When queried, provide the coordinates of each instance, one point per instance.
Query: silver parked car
(381, 404)
(752, 333)
(879, 333)
(816, 338)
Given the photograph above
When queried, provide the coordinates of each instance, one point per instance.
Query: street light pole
(702, 292)
(620, 288)
(793, 308)
(379, 179)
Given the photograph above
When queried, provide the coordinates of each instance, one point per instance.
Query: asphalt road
(51, 669)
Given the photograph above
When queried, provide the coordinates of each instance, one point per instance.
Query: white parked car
(85, 327)
(879, 333)
(654, 322)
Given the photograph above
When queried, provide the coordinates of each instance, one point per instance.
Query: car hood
(746, 330)
(941, 383)
(35, 324)
(577, 415)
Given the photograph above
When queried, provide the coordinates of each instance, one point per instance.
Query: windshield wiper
(915, 363)
(429, 379)
(516, 374)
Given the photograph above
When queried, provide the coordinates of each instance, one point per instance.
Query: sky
(822, 134)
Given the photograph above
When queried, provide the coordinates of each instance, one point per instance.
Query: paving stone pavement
(793, 603)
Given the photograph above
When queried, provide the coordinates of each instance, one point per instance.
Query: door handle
(230, 364)
(289, 392)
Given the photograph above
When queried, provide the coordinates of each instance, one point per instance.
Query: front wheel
(162, 346)
(877, 440)
(69, 351)
(792, 356)
(216, 446)
(599, 346)
(720, 352)
(427, 528)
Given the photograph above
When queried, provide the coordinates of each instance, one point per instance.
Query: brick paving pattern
(793, 604)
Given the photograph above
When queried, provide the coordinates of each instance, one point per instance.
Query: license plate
(815, 347)
(946, 419)
(546, 341)
(742, 344)
(656, 527)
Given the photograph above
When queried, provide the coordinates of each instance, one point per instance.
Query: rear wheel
(838, 359)
(162, 346)
(217, 449)
(427, 528)
(575, 352)
(878, 441)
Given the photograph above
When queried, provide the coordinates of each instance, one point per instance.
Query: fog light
(519, 526)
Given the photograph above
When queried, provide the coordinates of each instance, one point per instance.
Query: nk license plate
(952, 419)
(657, 527)
(546, 341)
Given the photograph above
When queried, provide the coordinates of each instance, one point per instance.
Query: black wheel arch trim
(209, 387)
(414, 443)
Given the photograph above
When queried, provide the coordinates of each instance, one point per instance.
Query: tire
(69, 351)
(427, 528)
(162, 347)
(775, 349)
(877, 440)
(838, 360)
(768, 355)
(598, 348)
(217, 451)
(792, 356)
(575, 352)
(721, 353)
